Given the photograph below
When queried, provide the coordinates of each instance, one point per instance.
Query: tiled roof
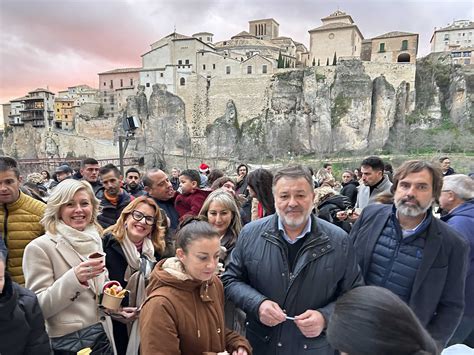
(329, 26)
(122, 70)
(395, 34)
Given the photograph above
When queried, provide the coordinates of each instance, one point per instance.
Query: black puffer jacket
(110, 213)
(22, 329)
(325, 269)
(328, 209)
(350, 190)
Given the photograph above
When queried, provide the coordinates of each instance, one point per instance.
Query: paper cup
(111, 302)
(97, 255)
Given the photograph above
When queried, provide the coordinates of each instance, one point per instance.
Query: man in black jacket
(403, 248)
(287, 270)
(114, 198)
(22, 329)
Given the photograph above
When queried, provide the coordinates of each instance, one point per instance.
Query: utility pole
(130, 124)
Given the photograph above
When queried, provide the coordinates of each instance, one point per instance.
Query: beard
(411, 210)
(293, 222)
(132, 185)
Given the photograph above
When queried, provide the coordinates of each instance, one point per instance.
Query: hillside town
(176, 59)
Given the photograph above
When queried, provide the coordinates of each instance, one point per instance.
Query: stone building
(205, 37)
(338, 37)
(171, 61)
(391, 47)
(114, 88)
(38, 108)
(14, 116)
(6, 109)
(64, 113)
(460, 34)
(81, 94)
(266, 29)
(457, 38)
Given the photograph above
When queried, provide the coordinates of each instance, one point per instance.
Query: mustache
(409, 199)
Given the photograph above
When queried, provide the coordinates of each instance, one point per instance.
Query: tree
(319, 62)
(314, 62)
(327, 61)
(334, 60)
(280, 62)
(100, 112)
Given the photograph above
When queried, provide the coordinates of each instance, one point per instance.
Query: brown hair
(415, 166)
(157, 234)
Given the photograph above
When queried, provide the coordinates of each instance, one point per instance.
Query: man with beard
(133, 184)
(114, 199)
(287, 270)
(403, 248)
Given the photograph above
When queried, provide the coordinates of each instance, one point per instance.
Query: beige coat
(67, 305)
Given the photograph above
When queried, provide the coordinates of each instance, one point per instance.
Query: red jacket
(190, 204)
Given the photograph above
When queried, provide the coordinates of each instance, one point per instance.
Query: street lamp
(130, 124)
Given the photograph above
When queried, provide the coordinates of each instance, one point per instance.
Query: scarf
(83, 242)
(139, 267)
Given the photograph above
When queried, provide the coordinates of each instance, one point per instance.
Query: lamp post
(130, 124)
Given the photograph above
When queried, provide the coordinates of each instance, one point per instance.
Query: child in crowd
(191, 199)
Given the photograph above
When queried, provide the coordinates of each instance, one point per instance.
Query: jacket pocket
(258, 333)
(320, 343)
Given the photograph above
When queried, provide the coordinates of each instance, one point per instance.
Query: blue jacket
(325, 269)
(462, 220)
(437, 296)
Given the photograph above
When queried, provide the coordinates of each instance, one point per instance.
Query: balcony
(38, 123)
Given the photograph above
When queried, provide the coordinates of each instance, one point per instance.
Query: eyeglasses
(138, 216)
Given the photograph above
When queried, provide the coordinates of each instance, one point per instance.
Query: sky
(57, 43)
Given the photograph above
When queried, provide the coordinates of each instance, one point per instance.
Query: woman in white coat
(57, 268)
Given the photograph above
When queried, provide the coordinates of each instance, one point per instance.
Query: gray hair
(293, 172)
(62, 194)
(461, 185)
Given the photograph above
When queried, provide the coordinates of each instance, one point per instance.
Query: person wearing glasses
(133, 245)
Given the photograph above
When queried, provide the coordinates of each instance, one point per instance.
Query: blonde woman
(57, 268)
(133, 246)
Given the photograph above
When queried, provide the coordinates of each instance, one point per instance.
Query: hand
(126, 315)
(240, 351)
(353, 217)
(89, 269)
(311, 323)
(270, 313)
(341, 215)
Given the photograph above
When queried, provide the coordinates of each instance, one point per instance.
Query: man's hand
(270, 313)
(126, 315)
(311, 323)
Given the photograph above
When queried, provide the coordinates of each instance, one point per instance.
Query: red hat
(203, 167)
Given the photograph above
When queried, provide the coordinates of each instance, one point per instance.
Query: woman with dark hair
(262, 203)
(373, 320)
(184, 311)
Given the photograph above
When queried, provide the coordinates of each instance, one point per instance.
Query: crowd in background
(256, 261)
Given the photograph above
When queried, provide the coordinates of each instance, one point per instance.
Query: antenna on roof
(174, 31)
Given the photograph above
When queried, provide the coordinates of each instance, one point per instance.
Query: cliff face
(354, 106)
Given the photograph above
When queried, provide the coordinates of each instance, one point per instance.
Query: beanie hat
(203, 168)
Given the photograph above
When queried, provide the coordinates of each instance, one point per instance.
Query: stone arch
(403, 58)
(182, 81)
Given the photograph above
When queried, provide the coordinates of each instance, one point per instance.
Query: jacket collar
(18, 203)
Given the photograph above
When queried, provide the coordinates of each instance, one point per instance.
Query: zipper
(5, 232)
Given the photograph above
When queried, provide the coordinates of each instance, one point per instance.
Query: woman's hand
(126, 315)
(89, 269)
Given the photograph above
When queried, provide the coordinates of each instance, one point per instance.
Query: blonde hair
(62, 194)
(157, 234)
(226, 199)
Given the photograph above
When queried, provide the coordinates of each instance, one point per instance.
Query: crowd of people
(284, 261)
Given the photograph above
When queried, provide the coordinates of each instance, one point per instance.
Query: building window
(264, 69)
(209, 39)
(182, 81)
(467, 61)
(204, 67)
(65, 116)
(466, 54)
(105, 83)
(131, 82)
(227, 70)
(121, 83)
(382, 47)
(180, 62)
(446, 37)
(456, 54)
(186, 61)
(161, 75)
(147, 85)
(249, 69)
(404, 45)
(213, 66)
(111, 84)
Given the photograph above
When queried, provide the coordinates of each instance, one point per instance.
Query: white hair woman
(57, 267)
